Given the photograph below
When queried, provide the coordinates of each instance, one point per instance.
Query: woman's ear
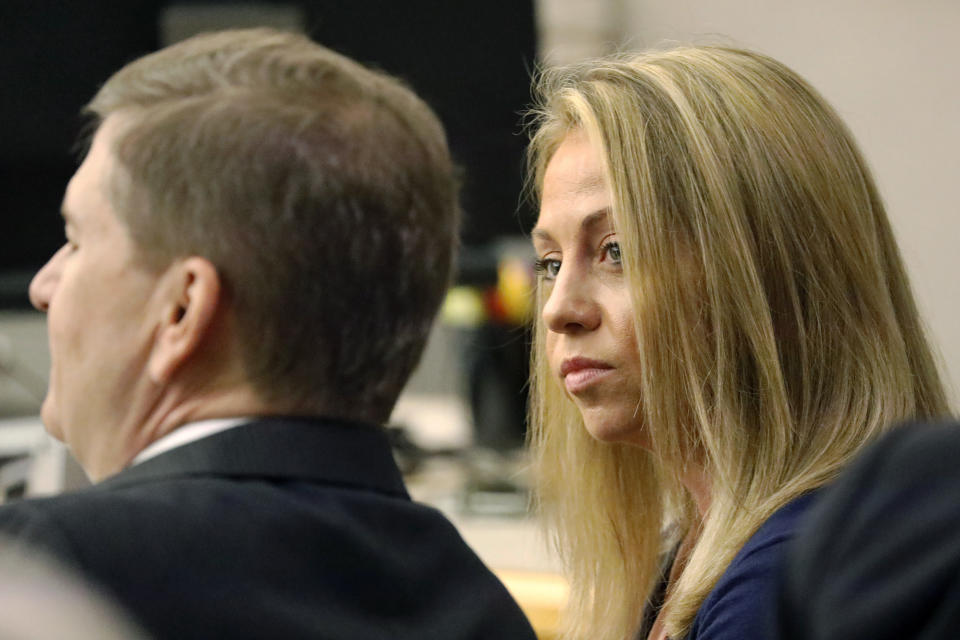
(192, 295)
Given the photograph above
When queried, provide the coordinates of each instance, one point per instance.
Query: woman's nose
(571, 305)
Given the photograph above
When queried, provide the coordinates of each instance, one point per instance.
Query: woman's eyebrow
(539, 233)
(587, 224)
(595, 218)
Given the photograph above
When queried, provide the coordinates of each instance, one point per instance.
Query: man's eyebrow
(68, 218)
(590, 221)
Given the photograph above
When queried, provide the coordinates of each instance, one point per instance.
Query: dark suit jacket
(282, 528)
(879, 557)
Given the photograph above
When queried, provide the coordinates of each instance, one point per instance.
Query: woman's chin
(607, 428)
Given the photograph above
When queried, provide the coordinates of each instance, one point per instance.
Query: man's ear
(192, 295)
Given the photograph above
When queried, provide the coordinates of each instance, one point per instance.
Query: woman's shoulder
(736, 608)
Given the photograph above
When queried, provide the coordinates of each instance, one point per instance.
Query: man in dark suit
(257, 243)
(879, 556)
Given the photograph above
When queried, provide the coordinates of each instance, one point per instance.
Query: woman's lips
(579, 373)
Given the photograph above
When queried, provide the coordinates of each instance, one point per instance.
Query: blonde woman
(724, 322)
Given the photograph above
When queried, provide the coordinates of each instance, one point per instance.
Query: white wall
(889, 66)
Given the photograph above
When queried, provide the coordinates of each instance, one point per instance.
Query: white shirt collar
(186, 434)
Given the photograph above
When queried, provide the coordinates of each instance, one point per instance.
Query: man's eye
(549, 267)
(611, 250)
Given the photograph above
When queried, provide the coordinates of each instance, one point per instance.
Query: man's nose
(571, 305)
(44, 283)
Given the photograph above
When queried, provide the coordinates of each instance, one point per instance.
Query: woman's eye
(548, 267)
(611, 250)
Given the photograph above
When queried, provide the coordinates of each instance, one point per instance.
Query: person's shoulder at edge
(37, 583)
(890, 522)
(32, 524)
(735, 609)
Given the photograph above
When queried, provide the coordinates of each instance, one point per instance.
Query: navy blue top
(740, 605)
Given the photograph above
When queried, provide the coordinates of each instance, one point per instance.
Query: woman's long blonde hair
(776, 327)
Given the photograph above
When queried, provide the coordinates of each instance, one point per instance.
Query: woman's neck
(697, 482)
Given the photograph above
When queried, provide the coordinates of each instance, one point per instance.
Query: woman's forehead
(576, 166)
